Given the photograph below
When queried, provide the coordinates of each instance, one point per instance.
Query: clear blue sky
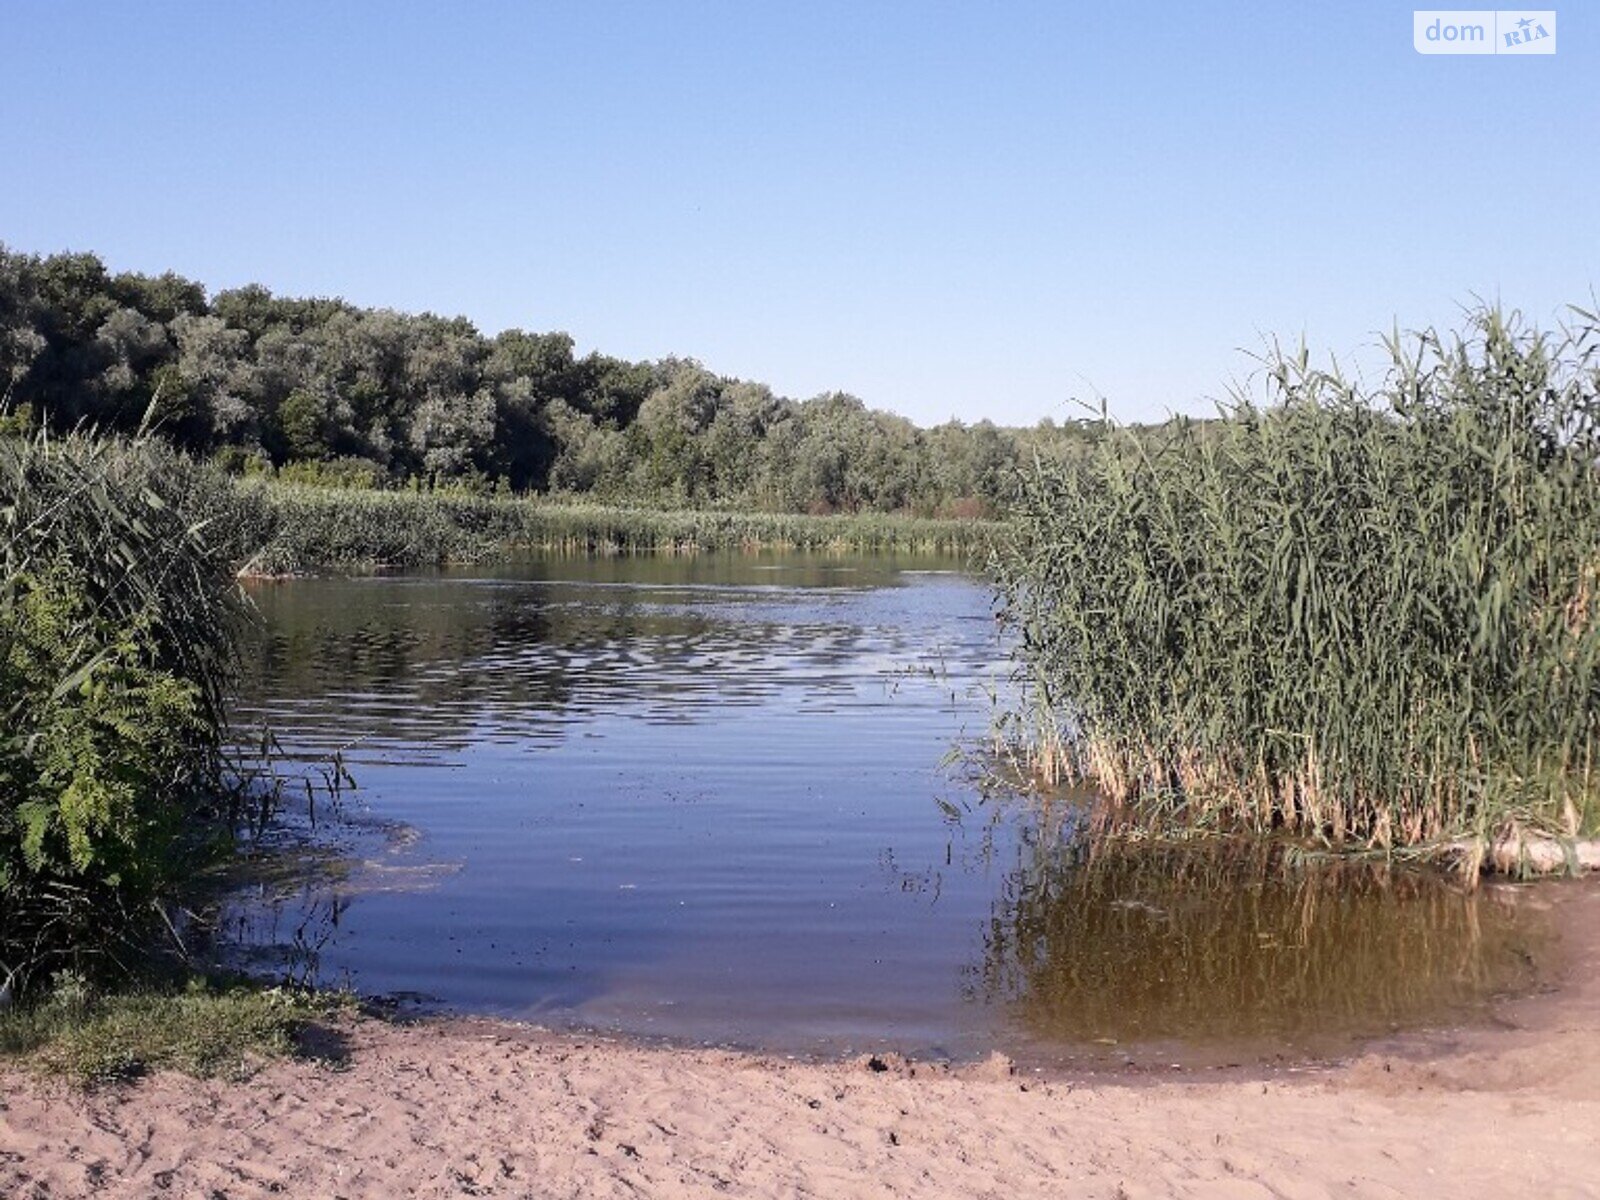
(972, 210)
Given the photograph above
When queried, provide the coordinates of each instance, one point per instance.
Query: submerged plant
(1356, 616)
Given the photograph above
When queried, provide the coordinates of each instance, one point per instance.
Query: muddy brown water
(710, 799)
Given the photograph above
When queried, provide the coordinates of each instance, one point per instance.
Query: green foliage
(318, 528)
(254, 379)
(1349, 616)
(116, 632)
(101, 743)
(304, 424)
(19, 423)
(335, 473)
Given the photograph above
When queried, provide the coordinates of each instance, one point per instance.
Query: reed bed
(1363, 617)
(307, 528)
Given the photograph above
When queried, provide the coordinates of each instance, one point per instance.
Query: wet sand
(472, 1108)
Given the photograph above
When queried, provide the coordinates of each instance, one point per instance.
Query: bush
(117, 617)
(359, 473)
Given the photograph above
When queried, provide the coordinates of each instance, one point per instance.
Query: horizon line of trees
(328, 391)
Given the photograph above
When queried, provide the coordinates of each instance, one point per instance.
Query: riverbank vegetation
(118, 618)
(117, 623)
(1361, 617)
(320, 391)
(298, 528)
(202, 1028)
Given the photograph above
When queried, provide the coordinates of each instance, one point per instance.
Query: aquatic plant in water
(305, 528)
(1363, 617)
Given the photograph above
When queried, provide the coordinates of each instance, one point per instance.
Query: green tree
(303, 423)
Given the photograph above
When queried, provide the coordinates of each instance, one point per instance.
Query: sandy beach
(474, 1108)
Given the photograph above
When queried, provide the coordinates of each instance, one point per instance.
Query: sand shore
(471, 1108)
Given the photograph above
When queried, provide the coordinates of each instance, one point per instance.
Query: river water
(728, 799)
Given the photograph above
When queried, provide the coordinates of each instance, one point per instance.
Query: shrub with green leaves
(116, 651)
(1351, 615)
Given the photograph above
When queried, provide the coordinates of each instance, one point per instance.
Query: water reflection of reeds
(1139, 943)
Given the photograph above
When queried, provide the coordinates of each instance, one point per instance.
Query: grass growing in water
(1359, 617)
(304, 528)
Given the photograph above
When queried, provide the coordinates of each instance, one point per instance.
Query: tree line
(327, 391)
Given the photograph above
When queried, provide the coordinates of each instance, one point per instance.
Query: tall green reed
(307, 528)
(1359, 616)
